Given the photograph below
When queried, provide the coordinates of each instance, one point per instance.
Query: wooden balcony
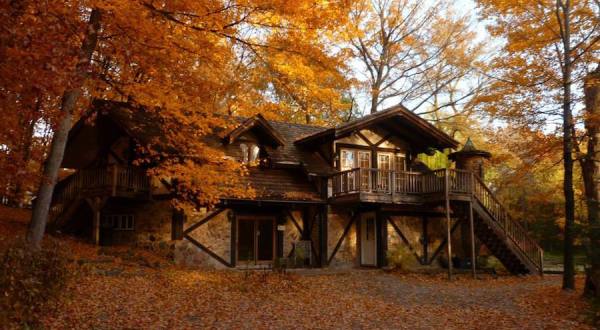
(385, 186)
(113, 181)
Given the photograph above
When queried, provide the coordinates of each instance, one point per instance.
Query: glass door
(364, 162)
(348, 162)
(255, 240)
(384, 166)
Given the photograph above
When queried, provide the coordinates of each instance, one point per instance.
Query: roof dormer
(259, 127)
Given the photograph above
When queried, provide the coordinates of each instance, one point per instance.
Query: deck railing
(461, 182)
(106, 181)
(404, 182)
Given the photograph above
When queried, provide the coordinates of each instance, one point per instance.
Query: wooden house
(344, 196)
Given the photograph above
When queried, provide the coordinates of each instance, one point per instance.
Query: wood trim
(233, 242)
(443, 243)
(207, 250)
(203, 221)
(358, 146)
(255, 121)
(364, 138)
(291, 216)
(344, 234)
(404, 239)
(384, 139)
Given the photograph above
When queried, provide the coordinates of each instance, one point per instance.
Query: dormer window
(250, 153)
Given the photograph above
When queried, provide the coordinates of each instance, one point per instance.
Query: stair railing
(512, 229)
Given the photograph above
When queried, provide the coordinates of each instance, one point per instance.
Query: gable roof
(256, 122)
(399, 114)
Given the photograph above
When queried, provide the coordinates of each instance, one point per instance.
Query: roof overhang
(398, 114)
(262, 125)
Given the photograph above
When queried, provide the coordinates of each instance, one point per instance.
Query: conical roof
(469, 149)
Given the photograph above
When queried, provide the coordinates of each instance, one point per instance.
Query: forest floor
(133, 289)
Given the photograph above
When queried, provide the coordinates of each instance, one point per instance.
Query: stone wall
(347, 255)
(152, 222)
(215, 235)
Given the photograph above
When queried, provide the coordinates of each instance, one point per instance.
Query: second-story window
(250, 153)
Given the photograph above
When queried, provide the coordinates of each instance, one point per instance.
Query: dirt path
(187, 299)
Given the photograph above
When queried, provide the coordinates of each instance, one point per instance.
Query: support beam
(203, 221)
(404, 239)
(442, 244)
(425, 242)
(472, 232)
(323, 236)
(448, 229)
(96, 204)
(291, 216)
(207, 250)
(382, 240)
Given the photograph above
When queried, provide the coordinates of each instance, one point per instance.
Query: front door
(368, 240)
(255, 240)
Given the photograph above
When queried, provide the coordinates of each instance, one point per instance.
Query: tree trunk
(569, 265)
(39, 216)
(374, 99)
(591, 178)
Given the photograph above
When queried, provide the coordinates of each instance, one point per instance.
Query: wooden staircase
(504, 237)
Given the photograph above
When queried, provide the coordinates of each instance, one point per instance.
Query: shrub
(30, 281)
(401, 257)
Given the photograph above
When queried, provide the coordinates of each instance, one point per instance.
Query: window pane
(254, 151)
(400, 163)
(347, 161)
(244, 151)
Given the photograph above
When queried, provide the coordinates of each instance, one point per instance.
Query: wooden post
(114, 180)
(425, 241)
(96, 205)
(96, 227)
(448, 224)
(472, 227)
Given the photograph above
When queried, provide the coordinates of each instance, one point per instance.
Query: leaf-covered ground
(171, 298)
(121, 288)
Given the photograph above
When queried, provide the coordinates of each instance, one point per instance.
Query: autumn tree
(418, 53)
(179, 61)
(547, 46)
(591, 176)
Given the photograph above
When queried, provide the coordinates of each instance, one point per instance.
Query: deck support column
(425, 242)
(448, 223)
(323, 254)
(96, 205)
(472, 230)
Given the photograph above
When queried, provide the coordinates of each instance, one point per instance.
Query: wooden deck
(450, 188)
(391, 187)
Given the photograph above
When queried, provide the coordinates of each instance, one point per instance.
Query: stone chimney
(470, 158)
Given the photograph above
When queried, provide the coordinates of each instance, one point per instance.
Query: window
(400, 163)
(118, 221)
(250, 153)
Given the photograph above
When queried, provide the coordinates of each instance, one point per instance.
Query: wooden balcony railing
(108, 181)
(392, 182)
(453, 181)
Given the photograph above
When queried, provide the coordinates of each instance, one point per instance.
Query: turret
(470, 158)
